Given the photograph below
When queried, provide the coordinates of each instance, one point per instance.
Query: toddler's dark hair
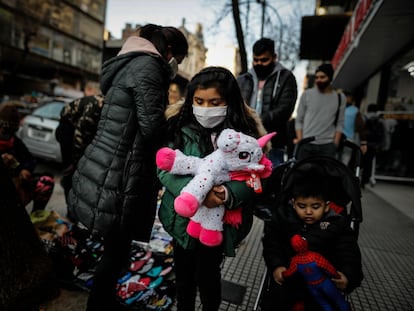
(310, 186)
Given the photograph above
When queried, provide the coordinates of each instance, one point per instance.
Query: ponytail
(154, 33)
(164, 38)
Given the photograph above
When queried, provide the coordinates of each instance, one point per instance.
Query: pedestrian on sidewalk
(271, 90)
(375, 136)
(177, 90)
(77, 128)
(115, 186)
(353, 131)
(213, 103)
(320, 114)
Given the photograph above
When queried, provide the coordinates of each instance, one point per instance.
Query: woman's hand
(277, 275)
(215, 197)
(342, 282)
(9, 160)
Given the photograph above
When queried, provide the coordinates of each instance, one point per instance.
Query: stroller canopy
(341, 184)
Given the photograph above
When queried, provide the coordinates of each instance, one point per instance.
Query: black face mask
(263, 71)
(323, 85)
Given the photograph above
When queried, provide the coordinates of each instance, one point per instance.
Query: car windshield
(49, 110)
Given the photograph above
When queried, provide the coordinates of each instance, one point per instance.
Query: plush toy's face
(299, 244)
(241, 152)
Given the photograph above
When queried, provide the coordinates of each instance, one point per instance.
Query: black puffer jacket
(332, 237)
(116, 178)
(278, 100)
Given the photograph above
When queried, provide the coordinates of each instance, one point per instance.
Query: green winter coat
(240, 195)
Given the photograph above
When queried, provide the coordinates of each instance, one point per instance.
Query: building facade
(44, 43)
(374, 59)
(193, 63)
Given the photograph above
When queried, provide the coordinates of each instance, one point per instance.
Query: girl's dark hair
(164, 38)
(237, 116)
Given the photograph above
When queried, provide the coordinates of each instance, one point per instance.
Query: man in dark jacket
(271, 89)
(114, 188)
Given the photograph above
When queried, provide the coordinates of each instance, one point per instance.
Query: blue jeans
(276, 155)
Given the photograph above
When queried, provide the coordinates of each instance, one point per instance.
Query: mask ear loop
(174, 67)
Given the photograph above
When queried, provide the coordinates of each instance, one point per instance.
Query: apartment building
(44, 43)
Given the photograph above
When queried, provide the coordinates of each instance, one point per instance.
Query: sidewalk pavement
(387, 244)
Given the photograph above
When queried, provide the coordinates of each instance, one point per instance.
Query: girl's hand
(215, 197)
(25, 175)
(342, 282)
(277, 275)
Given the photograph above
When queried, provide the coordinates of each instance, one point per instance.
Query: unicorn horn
(265, 139)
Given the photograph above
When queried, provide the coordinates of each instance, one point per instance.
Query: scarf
(6, 144)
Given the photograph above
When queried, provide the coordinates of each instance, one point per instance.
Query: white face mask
(174, 67)
(210, 117)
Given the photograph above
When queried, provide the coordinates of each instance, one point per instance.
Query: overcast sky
(172, 12)
(168, 13)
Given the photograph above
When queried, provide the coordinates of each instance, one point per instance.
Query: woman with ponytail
(114, 188)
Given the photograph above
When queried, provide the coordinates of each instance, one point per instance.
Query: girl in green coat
(213, 103)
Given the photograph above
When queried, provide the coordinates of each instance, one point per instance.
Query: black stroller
(344, 182)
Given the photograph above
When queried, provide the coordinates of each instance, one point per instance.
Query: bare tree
(263, 19)
(239, 34)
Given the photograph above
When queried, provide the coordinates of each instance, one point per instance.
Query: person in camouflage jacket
(77, 127)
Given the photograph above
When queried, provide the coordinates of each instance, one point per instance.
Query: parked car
(24, 108)
(37, 130)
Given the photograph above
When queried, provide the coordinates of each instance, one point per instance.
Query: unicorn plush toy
(237, 157)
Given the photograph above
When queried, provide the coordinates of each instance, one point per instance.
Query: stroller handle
(303, 141)
(357, 151)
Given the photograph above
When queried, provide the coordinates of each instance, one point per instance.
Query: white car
(37, 130)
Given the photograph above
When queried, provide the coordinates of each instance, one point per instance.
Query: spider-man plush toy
(317, 271)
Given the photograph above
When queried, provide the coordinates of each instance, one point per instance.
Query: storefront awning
(386, 31)
(320, 35)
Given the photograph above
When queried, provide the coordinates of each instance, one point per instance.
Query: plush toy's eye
(244, 155)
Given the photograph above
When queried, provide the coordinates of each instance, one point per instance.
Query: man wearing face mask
(320, 114)
(271, 90)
